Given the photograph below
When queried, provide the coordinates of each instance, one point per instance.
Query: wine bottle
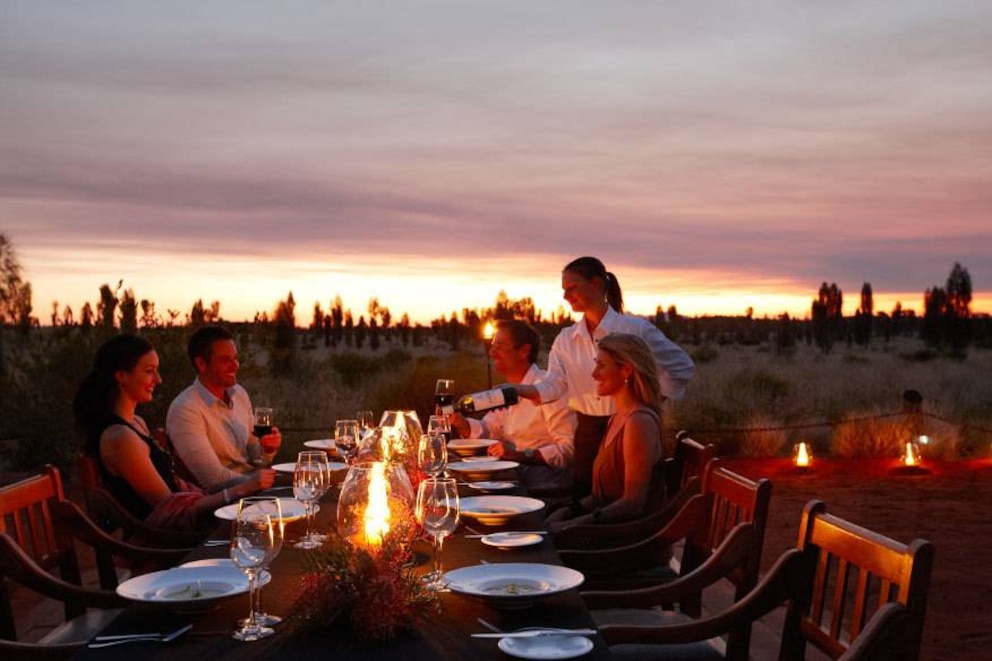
(486, 400)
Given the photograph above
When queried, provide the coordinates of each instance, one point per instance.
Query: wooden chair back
(854, 572)
(26, 518)
(687, 463)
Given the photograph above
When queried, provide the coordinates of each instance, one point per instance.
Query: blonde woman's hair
(632, 350)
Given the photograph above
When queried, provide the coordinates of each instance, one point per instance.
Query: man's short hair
(201, 343)
(522, 333)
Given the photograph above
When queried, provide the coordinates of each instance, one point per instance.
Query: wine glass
(432, 454)
(346, 437)
(262, 428)
(366, 421)
(444, 396)
(438, 512)
(253, 537)
(438, 424)
(272, 506)
(311, 479)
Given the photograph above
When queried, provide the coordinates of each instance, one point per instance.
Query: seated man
(210, 423)
(538, 436)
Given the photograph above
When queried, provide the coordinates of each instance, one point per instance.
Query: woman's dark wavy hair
(589, 268)
(94, 401)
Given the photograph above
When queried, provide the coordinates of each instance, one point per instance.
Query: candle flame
(803, 456)
(912, 458)
(377, 514)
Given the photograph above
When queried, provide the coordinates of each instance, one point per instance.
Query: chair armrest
(642, 554)
(886, 636)
(782, 583)
(69, 517)
(604, 535)
(19, 566)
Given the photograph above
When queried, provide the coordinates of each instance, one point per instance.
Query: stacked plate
(480, 470)
(468, 447)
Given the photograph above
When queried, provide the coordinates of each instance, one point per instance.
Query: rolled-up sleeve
(561, 423)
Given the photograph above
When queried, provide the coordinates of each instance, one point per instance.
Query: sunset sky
(716, 155)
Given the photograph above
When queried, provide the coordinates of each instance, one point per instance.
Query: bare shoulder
(121, 438)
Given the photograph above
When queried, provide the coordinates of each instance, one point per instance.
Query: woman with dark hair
(595, 292)
(135, 469)
(627, 473)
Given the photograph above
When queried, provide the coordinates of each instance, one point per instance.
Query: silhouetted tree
(337, 314)
(149, 318)
(86, 317)
(284, 342)
(128, 312)
(107, 307)
(827, 317)
(361, 331)
(197, 316)
(864, 316)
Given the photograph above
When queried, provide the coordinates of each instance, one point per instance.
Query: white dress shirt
(547, 429)
(573, 357)
(213, 438)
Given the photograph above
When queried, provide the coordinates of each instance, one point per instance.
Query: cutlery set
(108, 641)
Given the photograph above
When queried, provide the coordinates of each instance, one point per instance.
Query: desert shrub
(866, 435)
(705, 354)
(762, 437)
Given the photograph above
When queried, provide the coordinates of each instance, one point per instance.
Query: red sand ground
(951, 507)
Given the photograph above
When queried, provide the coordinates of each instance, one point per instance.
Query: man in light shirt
(210, 423)
(537, 436)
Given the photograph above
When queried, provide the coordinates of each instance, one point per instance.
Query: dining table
(446, 634)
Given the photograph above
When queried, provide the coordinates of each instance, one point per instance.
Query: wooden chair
(110, 515)
(722, 531)
(683, 474)
(852, 593)
(31, 546)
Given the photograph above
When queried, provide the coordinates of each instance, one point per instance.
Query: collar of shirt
(211, 399)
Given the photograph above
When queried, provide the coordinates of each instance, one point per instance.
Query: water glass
(432, 454)
(272, 506)
(346, 439)
(438, 512)
(253, 538)
(311, 480)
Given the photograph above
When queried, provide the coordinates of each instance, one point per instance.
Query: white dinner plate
(263, 576)
(497, 510)
(186, 588)
(512, 584)
(290, 467)
(546, 647)
(512, 540)
(488, 485)
(292, 510)
(467, 447)
(480, 470)
(481, 457)
(326, 444)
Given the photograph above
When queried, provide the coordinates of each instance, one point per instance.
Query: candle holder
(376, 503)
(802, 457)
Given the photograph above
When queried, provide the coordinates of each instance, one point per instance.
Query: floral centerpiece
(374, 589)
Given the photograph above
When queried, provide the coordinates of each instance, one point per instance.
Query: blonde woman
(627, 469)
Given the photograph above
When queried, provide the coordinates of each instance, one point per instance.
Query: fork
(108, 641)
(529, 631)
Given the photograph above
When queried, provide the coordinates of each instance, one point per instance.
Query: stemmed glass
(444, 396)
(439, 425)
(438, 512)
(346, 437)
(311, 479)
(432, 454)
(253, 537)
(273, 507)
(366, 422)
(263, 427)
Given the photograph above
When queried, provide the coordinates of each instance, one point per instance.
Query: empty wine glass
(346, 437)
(438, 512)
(432, 454)
(272, 506)
(311, 479)
(253, 536)
(366, 421)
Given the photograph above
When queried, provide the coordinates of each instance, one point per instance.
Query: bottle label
(488, 399)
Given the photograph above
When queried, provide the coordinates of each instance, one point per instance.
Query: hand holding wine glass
(438, 512)
(253, 538)
(268, 438)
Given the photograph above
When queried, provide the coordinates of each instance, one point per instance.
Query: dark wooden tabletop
(443, 636)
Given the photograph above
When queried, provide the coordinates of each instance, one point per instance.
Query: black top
(120, 488)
